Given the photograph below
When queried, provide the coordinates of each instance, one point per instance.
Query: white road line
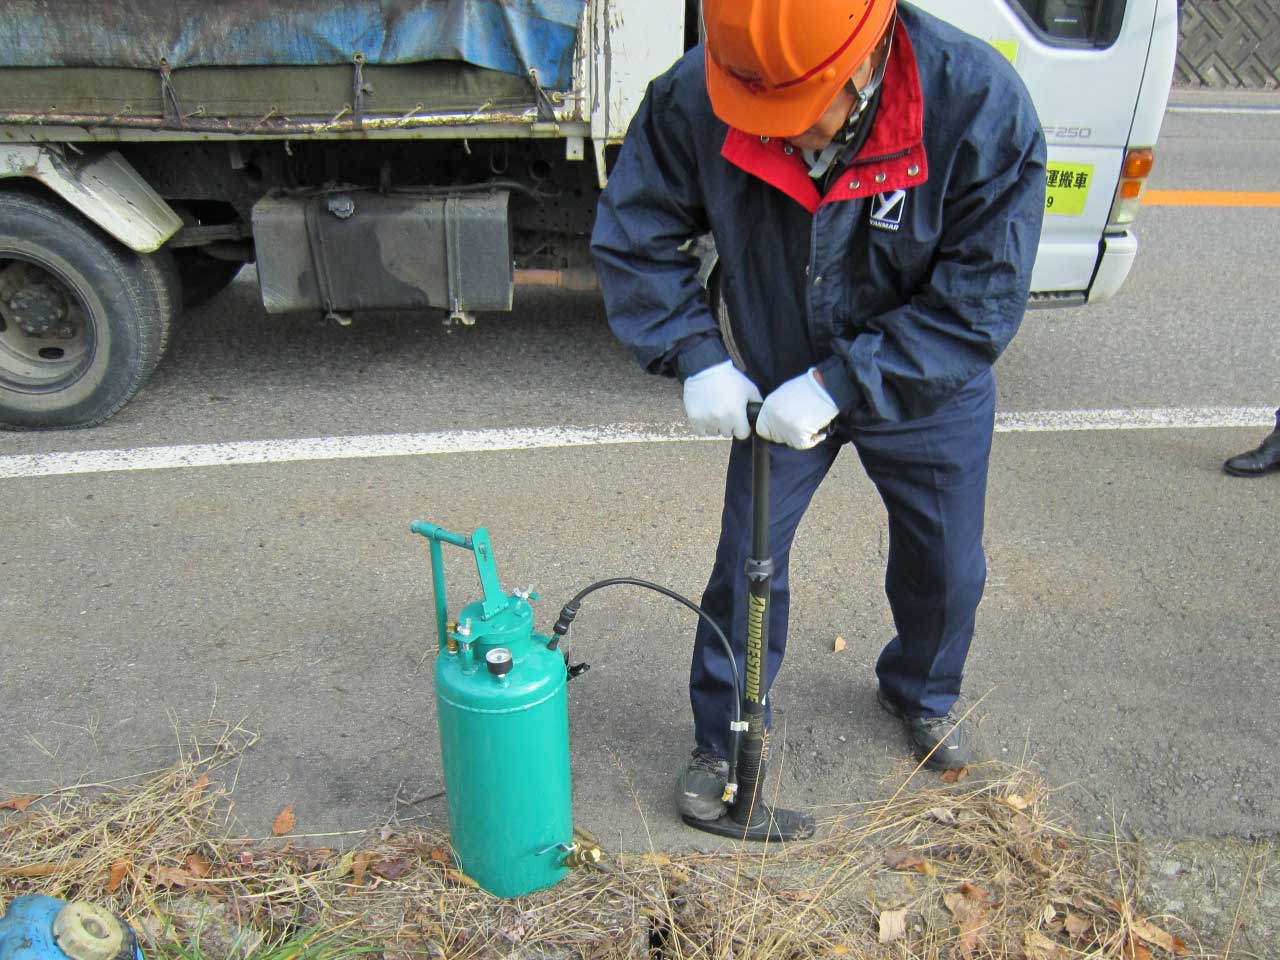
(1149, 418)
(1237, 111)
(328, 448)
(544, 438)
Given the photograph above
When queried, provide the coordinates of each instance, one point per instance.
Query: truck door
(1084, 62)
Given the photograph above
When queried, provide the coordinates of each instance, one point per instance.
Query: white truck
(411, 154)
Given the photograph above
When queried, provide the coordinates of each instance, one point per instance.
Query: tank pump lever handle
(495, 601)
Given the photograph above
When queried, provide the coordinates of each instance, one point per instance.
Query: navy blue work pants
(932, 476)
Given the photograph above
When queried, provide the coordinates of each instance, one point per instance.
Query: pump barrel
(503, 711)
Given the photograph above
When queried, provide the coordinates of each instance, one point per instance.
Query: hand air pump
(748, 816)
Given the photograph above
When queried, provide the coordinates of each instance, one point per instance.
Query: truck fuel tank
(345, 251)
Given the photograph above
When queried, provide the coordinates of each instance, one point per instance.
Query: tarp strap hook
(358, 91)
(546, 109)
(319, 262)
(171, 105)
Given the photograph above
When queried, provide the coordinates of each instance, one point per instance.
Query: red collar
(893, 157)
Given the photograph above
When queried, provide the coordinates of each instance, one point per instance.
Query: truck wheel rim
(46, 337)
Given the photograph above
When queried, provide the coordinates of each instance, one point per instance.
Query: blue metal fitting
(45, 928)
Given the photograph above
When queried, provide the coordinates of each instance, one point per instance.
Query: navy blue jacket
(901, 284)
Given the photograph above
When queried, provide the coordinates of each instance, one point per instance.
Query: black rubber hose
(570, 611)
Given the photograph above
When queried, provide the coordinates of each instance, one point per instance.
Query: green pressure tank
(504, 733)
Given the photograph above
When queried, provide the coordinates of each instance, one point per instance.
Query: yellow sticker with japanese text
(1008, 49)
(1067, 188)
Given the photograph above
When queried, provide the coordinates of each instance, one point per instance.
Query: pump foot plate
(767, 823)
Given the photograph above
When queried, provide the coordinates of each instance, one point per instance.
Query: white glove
(797, 412)
(715, 401)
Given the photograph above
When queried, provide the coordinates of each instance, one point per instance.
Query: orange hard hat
(774, 66)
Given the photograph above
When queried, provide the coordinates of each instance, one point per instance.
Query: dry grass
(980, 869)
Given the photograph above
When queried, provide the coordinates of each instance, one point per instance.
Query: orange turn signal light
(1138, 163)
(1130, 189)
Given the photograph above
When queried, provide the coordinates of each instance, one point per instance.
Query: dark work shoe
(1263, 459)
(938, 741)
(700, 789)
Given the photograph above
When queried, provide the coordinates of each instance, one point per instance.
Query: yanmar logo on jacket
(887, 209)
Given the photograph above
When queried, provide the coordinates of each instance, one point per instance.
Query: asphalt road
(1127, 646)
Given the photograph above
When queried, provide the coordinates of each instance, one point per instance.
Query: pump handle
(441, 535)
(495, 601)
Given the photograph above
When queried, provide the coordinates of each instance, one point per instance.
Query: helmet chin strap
(841, 150)
(844, 146)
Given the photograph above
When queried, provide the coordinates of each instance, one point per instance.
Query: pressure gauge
(499, 661)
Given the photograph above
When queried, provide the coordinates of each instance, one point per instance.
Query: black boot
(700, 788)
(1263, 459)
(938, 742)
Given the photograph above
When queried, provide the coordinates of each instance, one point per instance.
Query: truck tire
(164, 283)
(83, 320)
(203, 276)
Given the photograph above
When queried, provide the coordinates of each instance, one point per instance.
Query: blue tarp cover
(507, 35)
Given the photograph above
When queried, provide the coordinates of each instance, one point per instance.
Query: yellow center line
(1209, 198)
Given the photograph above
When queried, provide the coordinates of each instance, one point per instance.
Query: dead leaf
(679, 876)
(1135, 950)
(18, 804)
(169, 876)
(441, 856)
(119, 870)
(343, 867)
(971, 915)
(893, 925)
(38, 869)
(200, 785)
(1039, 947)
(1017, 801)
(359, 864)
(797, 896)
(1156, 937)
(954, 775)
(941, 814)
(1077, 926)
(460, 878)
(972, 937)
(1088, 906)
(199, 866)
(284, 822)
(974, 892)
(391, 869)
(1049, 913)
(900, 858)
(837, 647)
